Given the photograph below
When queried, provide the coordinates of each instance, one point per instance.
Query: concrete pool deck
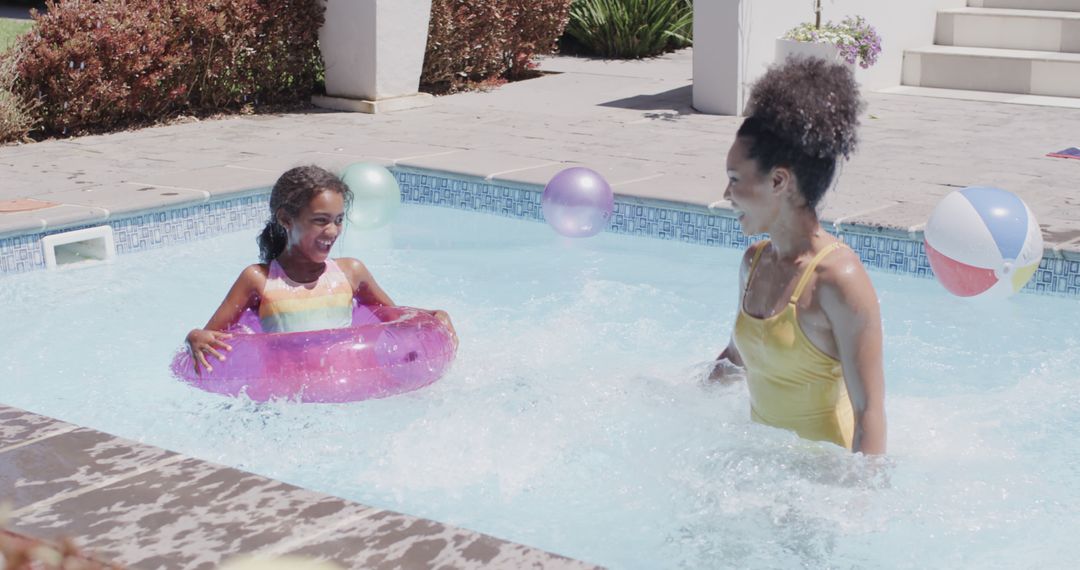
(631, 121)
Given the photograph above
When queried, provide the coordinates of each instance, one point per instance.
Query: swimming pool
(574, 419)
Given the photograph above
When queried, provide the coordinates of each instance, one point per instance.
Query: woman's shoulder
(839, 264)
(753, 249)
(841, 277)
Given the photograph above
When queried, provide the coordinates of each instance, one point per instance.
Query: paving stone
(480, 164)
(376, 150)
(334, 162)
(218, 181)
(18, 426)
(125, 198)
(693, 190)
(187, 514)
(15, 223)
(615, 173)
(53, 217)
(901, 218)
(390, 540)
(47, 468)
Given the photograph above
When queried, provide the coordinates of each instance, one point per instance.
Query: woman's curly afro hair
(803, 114)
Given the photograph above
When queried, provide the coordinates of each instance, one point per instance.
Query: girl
(808, 330)
(297, 287)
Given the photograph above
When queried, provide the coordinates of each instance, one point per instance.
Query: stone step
(992, 69)
(1063, 5)
(1039, 30)
(986, 96)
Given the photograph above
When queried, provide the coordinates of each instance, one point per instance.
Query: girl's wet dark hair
(803, 115)
(295, 189)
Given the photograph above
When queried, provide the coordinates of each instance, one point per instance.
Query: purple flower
(856, 40)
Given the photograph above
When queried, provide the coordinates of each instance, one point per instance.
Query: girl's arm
(851, 305)
(211, 338)
(365, 290)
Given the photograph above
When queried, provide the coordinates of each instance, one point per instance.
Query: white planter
(374, 50)
(826, 51)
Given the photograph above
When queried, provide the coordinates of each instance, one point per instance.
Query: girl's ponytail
(272, 241)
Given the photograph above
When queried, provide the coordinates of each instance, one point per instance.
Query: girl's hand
(202, 341)
(445, 318)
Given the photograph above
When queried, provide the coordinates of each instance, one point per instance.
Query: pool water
(575, 418)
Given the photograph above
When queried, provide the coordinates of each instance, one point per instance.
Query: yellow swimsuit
(793, 384)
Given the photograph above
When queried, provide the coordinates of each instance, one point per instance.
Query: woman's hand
(729, 366)
(202, 341)
(725, 372)
(445, 318)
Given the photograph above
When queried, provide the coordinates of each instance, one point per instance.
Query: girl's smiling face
(751, 192)
(314, 230)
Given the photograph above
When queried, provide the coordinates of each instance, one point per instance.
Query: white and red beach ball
(983, 241)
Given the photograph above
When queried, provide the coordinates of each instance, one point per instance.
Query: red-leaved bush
(96, 65)
(478, 41)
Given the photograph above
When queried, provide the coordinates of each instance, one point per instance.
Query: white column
(374, 53)
(718, 57)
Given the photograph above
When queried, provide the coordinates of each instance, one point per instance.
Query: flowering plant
(856, 39)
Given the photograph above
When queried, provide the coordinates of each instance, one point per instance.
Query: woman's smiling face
(749, 190)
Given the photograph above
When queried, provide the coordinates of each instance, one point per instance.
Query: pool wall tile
(879, 249)
(149, 230)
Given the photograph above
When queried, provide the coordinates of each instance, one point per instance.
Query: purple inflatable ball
(578, 202)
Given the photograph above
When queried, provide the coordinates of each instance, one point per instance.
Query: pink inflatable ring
(386, 351)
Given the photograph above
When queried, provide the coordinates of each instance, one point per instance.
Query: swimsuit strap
(810, 270)
(275, 271)
(753, 263)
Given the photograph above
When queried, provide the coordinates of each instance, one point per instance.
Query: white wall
(902, 24)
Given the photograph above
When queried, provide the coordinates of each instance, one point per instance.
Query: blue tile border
(886, 252)
(695, 225)
(150, 230)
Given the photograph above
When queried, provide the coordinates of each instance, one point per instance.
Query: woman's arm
(730, 361)
(848, 299)
(211, 338)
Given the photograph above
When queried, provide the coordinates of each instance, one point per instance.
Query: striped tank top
(289, 306)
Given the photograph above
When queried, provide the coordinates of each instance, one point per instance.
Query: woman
(808, 330)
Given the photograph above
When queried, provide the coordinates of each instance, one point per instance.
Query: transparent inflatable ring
(386, 351)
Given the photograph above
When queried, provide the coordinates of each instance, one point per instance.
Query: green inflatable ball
(376, 194)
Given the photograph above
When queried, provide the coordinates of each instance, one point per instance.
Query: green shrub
(476, 41)
(16, 114)
(103, 65)
(631, 28)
